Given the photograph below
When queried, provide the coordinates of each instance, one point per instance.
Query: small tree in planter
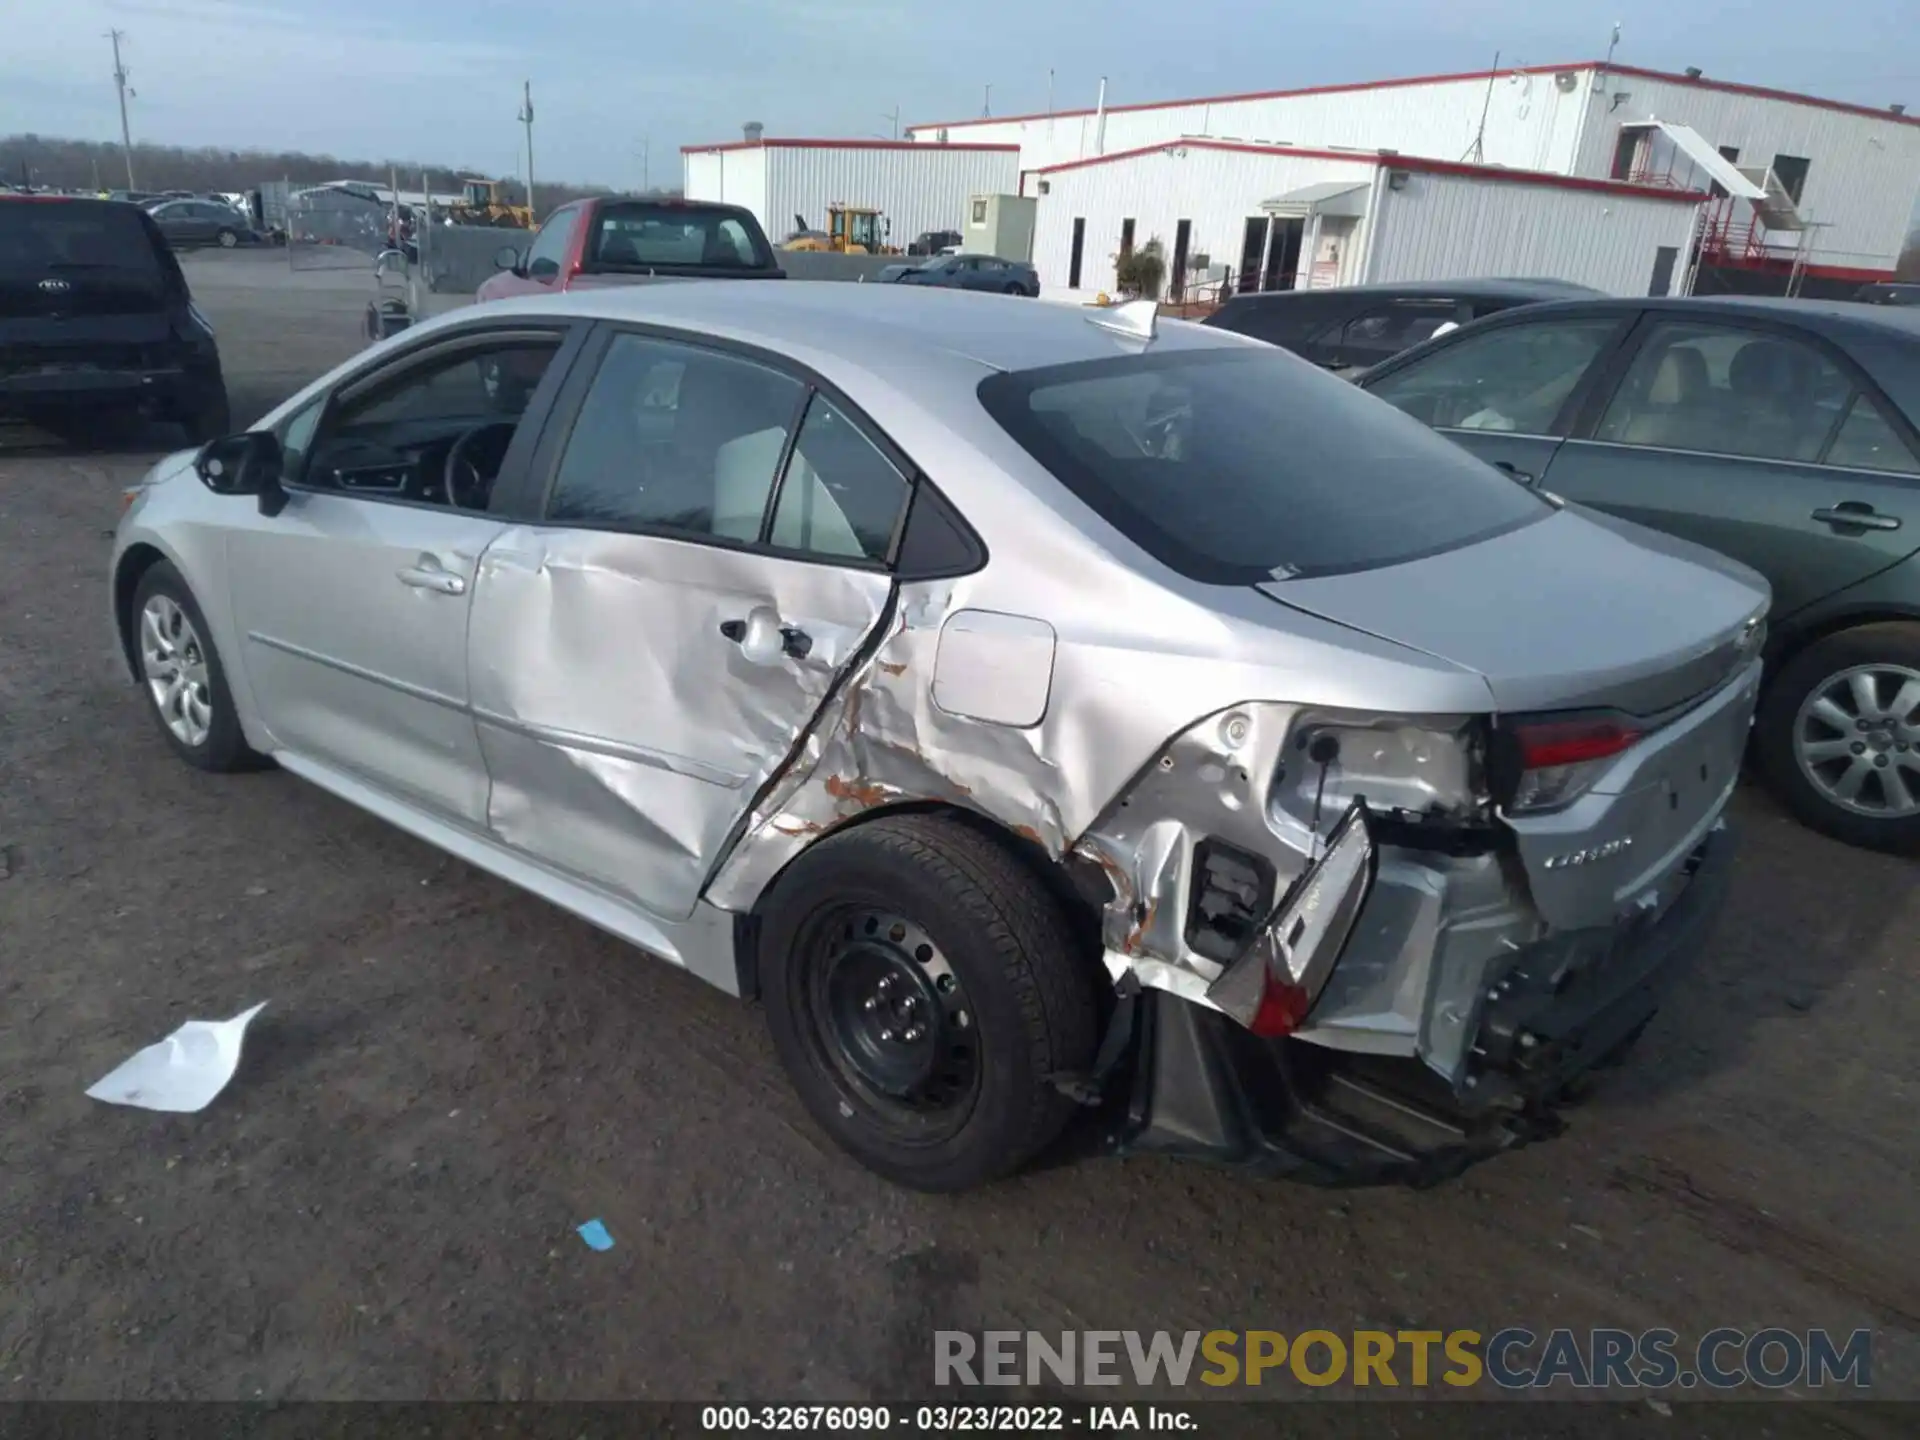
(1141, 272)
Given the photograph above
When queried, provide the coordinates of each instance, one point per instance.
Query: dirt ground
(450, 1076)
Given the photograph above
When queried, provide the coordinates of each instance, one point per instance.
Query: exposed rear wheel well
(1798, 640)
(126, 581)
(1081, 902)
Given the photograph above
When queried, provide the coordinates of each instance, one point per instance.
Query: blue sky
(440, 79)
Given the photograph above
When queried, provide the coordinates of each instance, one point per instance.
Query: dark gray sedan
(202, 222)
(969, 272)
(1781, 433)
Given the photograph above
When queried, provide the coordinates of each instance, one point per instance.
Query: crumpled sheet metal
(644, 821)
(882, 742)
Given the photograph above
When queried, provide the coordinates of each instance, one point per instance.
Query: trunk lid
(1583, 612)
(1578, 611)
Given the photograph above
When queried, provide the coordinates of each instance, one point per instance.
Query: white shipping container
(789, 184)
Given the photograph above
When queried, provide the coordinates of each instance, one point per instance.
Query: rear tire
(1016, 290)
(922, 986)
(227, 239)
(171, 640)
(1828, 729)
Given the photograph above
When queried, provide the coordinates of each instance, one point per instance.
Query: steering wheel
(474, 460)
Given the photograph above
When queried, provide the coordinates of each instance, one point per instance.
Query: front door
(1283, 255)
(1253, 249)
(648, 656)
(1756, 442)
(354, 600)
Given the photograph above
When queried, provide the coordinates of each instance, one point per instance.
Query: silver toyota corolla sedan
(1040, 710)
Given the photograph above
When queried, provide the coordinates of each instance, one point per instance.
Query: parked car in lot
(1034, 707)
(1355, 326)
(934, 242)
(1890, 293)
(624, 242)
(1781, 433)
(97, 323)
(202, 222)
(968, 272)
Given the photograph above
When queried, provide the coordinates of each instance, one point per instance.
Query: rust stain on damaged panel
(897, 667)
(863, 793)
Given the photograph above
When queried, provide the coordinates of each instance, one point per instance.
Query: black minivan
(97, 324)
(1356, 326)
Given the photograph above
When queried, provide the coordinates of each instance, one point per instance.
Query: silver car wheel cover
(174, 660)
(1856, 739)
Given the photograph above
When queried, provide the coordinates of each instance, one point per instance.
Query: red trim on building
(1416, 163)
(1578, 67)
(837, 145)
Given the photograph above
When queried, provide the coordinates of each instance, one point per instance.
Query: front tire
(1839, 736)
(922, 986)
(182, 677)
(227, 239)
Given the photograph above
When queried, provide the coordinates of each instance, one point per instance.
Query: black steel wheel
(890, 1016)
(923, 987)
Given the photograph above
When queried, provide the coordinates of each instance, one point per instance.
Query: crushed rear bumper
(1206, 1088)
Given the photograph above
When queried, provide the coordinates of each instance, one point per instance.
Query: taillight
(1552, 762)
(1282, 1009)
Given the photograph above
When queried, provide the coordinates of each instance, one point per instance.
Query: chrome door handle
(441, 582)
(1852, 514)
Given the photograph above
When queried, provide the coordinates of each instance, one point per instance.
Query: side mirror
(506, 258)
(245, 464)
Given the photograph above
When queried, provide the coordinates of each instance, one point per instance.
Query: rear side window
(1234, 466)
(53, 237)
(640, 234)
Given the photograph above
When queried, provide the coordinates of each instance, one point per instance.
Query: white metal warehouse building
(917, 188)
(1302, 219)
(1836, 182)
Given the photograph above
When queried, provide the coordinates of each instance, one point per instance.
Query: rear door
(1759, 440)
(712, 552)
(1509, 391)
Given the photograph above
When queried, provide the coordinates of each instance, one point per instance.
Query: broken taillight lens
(1557, 760)
(1283, 1008)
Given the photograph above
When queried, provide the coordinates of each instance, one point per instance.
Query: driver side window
(437, 433)
(1516, 378)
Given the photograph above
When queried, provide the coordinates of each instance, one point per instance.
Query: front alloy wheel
(174, 660)
(1857, 740)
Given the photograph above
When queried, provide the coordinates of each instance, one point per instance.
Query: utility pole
(120, 84)
(646, 157)
(894, 116)
(525, 117)
(986, 104)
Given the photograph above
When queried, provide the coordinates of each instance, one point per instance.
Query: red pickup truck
(614, 241)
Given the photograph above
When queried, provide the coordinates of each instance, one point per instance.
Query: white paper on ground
(184, 1071)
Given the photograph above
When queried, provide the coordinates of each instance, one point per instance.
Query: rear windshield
(1234, 466)
(646, 234)
(42, 236)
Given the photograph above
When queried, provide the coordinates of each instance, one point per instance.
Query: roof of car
(995, 331)
(1483, 288)
(1835, 316)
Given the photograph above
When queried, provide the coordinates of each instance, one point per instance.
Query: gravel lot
(452, 1075)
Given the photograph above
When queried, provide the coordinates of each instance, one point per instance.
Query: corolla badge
(1591, 856)
(55, 287)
